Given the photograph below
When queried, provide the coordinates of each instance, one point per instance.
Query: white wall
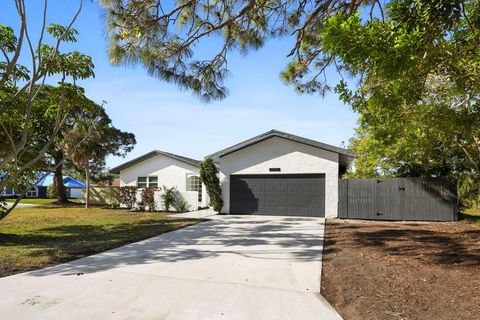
(170, 172)
(291, 157)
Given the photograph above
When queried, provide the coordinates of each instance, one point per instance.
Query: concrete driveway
(231, 267)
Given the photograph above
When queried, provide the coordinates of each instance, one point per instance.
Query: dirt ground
(399, 270)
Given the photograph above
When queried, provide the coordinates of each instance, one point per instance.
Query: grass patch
(40, 201)
(33, 238)
(472, 215)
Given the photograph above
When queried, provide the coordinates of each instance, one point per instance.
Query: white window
(32, 193)
(194, 183)
(143, 182)
(153, 182)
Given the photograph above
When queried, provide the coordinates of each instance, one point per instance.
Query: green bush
(52, 191)
(469, 190)
(169, 196)
(181, 205)
(209, 176)
(114, 205)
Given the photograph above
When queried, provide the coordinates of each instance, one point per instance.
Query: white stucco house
(275, 173)
(158, 169)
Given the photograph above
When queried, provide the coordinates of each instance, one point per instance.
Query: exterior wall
(170, 173)
(290, 157)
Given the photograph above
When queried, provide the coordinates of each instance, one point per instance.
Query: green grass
(39, 201)
(472, 215)
(32, 238)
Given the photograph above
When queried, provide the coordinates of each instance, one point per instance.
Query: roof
(48, 179)
(152, 154)
(275, 133)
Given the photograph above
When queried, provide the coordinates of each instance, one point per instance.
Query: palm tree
(80, 144)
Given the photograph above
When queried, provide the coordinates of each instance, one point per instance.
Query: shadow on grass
(65, 243)
(264, 239)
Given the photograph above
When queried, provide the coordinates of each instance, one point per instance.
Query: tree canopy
(34, 117)
(20, 150)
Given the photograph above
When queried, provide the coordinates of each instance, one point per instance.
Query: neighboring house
(275, 173)
(74, 187)
(7, 192)
(158, 169)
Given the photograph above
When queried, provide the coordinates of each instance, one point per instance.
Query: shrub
(113, 205)
(152, 205)
(52, 191)
(168, 197)
(148, 197)
(128, 196)
(209, 176)
(182, 205)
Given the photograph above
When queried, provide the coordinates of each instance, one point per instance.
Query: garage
(281, 174)
(278, 194)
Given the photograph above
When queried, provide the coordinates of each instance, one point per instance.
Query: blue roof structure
(69, 182)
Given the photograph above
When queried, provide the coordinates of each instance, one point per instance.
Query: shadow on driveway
(260, 238)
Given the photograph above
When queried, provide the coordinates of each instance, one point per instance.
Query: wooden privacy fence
(429, 199)
(103, 195)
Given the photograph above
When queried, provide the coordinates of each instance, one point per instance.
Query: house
(275, 173)
(278, 173)
(158, 169)
(73, 186)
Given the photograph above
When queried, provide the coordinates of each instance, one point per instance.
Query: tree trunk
(61, 190)
(87, 176)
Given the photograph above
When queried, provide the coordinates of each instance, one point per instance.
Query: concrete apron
(232, 267)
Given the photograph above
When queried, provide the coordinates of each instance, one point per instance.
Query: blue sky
(164, 117)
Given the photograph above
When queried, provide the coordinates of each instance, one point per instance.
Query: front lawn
(402, 270)
(40, 201)
(33, 238)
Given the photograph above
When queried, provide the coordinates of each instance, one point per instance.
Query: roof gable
(284, 135)
(151, 154)
(48, 179)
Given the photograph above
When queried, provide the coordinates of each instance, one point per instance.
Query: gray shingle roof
(117, 169)
(276, 133)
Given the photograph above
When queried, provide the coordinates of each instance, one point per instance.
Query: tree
(87, 115)
(92, 139)
(209, 176)
(419, 88)
(19, 87)
(162, 37)
(76, 107)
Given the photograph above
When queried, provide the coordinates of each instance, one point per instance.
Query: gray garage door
(279, 194)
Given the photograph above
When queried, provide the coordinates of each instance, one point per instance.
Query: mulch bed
(402, 270)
